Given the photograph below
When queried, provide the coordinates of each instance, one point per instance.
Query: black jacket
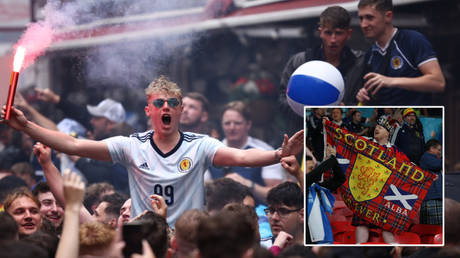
(351, 66)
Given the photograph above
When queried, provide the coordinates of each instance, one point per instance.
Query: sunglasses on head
(172, 102)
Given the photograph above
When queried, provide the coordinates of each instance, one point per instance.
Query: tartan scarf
(382, 187)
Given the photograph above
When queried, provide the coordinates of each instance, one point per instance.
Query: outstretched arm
(54, 178)
(226, 156)
(57, 140)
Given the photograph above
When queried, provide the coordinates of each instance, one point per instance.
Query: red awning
(217, 14)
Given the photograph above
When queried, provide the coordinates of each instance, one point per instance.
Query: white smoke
(124, 63)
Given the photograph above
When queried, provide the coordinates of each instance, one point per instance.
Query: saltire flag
(382, 186)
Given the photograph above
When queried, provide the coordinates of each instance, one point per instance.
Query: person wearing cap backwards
(409, 137)
(163, 161)
(382, 134)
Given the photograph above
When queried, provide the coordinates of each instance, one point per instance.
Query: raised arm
(54, 178)
(74, 190)
(226, 156)
(57, 140)
(38, 117)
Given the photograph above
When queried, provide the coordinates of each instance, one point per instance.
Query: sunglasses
(172, 102)
(281, 211)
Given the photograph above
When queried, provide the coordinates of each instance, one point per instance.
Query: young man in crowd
(334, 31)
(285, 214)
(164, 160)
(195, 117)
(50, 208)
(402, 66)
(24, 207)
(236, 124)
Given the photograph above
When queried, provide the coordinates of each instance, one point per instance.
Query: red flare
(18, 59)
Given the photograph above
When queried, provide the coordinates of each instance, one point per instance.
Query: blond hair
(163, 85)
(94, 237)
(18, 193)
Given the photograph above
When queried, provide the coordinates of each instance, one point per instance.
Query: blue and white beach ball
(315, 83)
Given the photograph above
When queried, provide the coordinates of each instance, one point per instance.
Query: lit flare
(17, 64)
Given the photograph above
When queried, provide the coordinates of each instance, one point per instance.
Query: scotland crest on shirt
(184, 165)
(396, 62)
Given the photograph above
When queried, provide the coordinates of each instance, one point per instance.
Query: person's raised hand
(47, 95)
(330, 151)
(159, 206)
(291, 146)
(283, 239)
(74, 190)
(43, 153)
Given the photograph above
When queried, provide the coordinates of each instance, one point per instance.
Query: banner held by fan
(383, 187)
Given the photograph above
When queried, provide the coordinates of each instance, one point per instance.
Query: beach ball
(315, 83)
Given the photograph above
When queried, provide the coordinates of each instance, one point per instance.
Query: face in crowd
(410, 119)
(235, 126)
(336, 115)
(50, 209)
(284, 218)
(26, 213)
(125, 212)
(380, 133)
(164, 109)
(101, 126)
(357, 117)
(193, 113)
(373, 22)
(334, 39)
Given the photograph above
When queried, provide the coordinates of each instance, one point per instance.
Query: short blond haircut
(163, 85)
(95, 237)
(18, 193)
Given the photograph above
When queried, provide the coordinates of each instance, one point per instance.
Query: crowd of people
(165, 167)
(185, 188)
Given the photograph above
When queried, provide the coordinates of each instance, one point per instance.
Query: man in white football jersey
(162, 161)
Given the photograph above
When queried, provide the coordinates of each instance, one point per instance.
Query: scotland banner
(383, 187)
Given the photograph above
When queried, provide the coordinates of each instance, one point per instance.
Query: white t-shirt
(177, 175)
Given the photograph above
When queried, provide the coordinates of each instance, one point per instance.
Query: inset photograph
(374, 176)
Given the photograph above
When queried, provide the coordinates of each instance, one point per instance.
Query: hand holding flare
(18, 59)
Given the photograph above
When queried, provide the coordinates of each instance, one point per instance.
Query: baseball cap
(109, 109)
(408, 111)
